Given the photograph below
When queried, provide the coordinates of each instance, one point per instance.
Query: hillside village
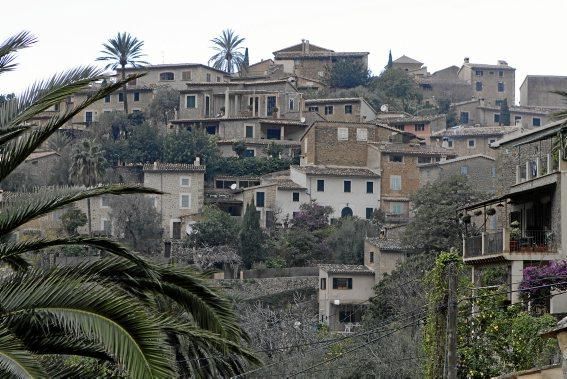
(321, 199)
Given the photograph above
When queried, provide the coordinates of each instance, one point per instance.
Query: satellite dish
(233, 186)
(302, 119)
(384, 108)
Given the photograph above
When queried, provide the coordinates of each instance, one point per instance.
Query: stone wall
(279, 272)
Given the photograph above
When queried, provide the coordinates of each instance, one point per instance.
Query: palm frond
(17, 42)
(15, 360)
(25, 207)
(95, 310)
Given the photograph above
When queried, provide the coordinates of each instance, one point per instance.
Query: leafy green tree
(504, 113)
(302, 246)
(239, 147)
(87, 168)
(436, 227)
(312, 216)
(347, 73)
(184, 146)
(397, 89)
(120, 51)
(257, 166)
(273, 150)
(164, 104)
(111, 125)
(215, 229)
(145, 145)
(347, 240)
(72, 219)
(110, 309)
(229, 56)
(251, 237)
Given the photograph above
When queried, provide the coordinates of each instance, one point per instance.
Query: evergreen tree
(504, 113)
(245, 61)
(251, 236)
(390, 62)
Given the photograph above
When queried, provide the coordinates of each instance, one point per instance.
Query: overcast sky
(529, 35)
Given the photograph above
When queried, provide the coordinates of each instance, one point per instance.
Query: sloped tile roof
(386, 244)
(179, 167)
(415, 150)
(345, 269)
(40, 154)
(404, 59)
(465, 131)
(337, 171)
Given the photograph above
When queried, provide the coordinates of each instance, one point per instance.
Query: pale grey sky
(528, 34)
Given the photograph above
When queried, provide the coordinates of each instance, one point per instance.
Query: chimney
(197, 161)
(467, 60)
(307, 46)
(155, 165)
(502, 63)
(303, 46)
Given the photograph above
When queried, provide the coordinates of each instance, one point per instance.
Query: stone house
(344, 294)
(37, 166)
(383, 254)
(537, 91)
(484, 112)
(527, 226)
(183, 198)
(342, 109)
(479, 169)
(470, 140)
(444, 84)
(420, 126)
(411, 66)
(400, 176)
(313, 62)
(491, 82)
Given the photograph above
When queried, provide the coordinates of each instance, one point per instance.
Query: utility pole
(452, 323)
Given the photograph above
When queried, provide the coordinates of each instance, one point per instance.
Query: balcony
(536, 168)
(500, 245)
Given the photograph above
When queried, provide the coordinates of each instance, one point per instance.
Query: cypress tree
(251, 237)
(390, 62)
(504, 113)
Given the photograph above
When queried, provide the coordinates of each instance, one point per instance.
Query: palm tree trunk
(89, 216)
(124, 90)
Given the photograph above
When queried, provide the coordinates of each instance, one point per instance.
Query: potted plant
(275, 112)
(478, 213)
(490, 212)
(466, 219)
(515, 235)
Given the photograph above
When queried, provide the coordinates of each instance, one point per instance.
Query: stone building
(444, 85)
(522, 224)
(491, 82)
(342, 109)
(537, 91)
(409, 65)
(479, 169)
(484, 112)
(470, 140)
(420, 126)
(36, 168)
(383, 254)
(183, 198)
(313, 62)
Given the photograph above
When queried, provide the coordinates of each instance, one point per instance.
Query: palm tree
(113, 309)
(120, 51)
(87, 168)
(229, 56)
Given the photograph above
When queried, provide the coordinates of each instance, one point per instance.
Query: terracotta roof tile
(465, 131)
(345, 269)
(180, 167)
(337, 171)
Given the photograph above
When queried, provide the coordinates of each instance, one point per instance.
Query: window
(498, 102)
(361, 134)
(89, 118)
(218, 79)
(313, 109)
(320, 185)
(166, 76)
(329, 109)
(399, 127)
(419, 127)
(396, 158)
(449, 144)
(273, 133)
(291, 104)
(471, 143)
(260, 196)
(270, 105)
(295, 197)
(104, 203)
(371, 257)
(191, 101)
(348, 109)
(323, 283)
(136, 96)
(478, 73)
(397, 208)
(464, 118)
(423, 160)
(478, 86)
(342, 134)
(496, 118)
(500, 87)
(120, 97)
(464, 170)
(184, 200)
(211, 129)
(346, 186)
(105, 225)
(536, 121)
(500, 73)
(395, 183)
(208, 78)
(107, 99)
(249, 131)
(491, 72)
(369, 213)
(369, 187)
(186, 75)
(185, 181)
(249, 153)
(342, 283)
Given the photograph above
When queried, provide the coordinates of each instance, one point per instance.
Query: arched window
(346, 212)
(166, 76)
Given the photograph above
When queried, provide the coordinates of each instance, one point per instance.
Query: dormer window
(166, 76)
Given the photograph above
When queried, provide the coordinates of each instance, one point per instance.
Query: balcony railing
(498, 242)
(535, 168)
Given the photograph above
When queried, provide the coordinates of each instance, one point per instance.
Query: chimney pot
(467, 59)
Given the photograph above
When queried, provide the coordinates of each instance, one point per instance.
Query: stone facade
(490, 82)
(444, 84)
(537, 91)
(342, 109)
(483, 112)
(420, 126)
(383, 255)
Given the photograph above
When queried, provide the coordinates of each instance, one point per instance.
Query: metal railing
(500, 241)
(473, 246)
(494, 242)
(533, 241)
